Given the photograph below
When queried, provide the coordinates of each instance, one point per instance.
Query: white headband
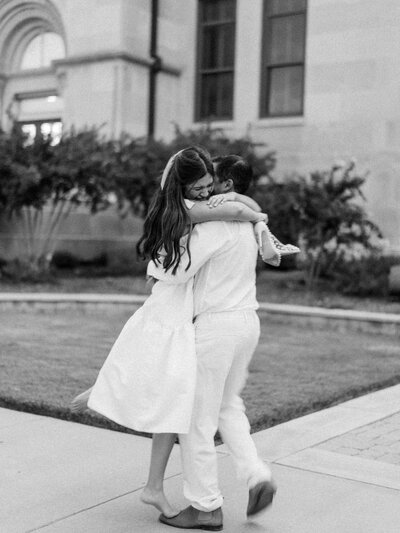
(167, 169)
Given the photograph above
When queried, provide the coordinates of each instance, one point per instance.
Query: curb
(339, 319)
(57, 301)
(319, 317)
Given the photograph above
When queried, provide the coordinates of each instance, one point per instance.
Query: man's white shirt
(223, 260)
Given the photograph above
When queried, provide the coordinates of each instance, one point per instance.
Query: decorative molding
(22, 20)
(113, 56)
(34, 72)
(278, 122)
(27, 95)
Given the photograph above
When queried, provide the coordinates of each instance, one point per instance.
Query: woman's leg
(153, 492)
(79, 403)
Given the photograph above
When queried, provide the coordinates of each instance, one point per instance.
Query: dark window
(216, 57)
(45, 128)
(282, 84)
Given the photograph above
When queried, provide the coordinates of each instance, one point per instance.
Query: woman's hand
(219, 199)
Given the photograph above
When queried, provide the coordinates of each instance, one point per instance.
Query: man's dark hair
(235, 168)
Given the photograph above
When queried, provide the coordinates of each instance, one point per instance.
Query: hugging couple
(181, 361)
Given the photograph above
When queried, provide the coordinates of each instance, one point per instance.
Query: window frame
(266, 67)
(37, 123)
(220, 70)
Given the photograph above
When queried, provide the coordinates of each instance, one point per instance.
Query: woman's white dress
(147, 382)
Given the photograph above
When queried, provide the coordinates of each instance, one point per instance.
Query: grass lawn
(48, 357)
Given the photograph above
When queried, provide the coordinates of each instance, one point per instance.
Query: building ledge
(113, 55)
(278, 122)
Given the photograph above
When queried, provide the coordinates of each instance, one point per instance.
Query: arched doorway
(32, 37)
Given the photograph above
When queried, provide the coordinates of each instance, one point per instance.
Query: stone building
(317, 80)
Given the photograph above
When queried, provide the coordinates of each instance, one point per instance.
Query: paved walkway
(63, 477)
(379, 441)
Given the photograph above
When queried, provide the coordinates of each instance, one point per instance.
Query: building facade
(316, 80)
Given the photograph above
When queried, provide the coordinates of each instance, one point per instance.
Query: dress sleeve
(207, 239)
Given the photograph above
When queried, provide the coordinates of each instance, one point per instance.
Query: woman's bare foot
(159, 501)
(80, 402)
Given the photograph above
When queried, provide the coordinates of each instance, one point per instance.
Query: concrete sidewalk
(338, 471)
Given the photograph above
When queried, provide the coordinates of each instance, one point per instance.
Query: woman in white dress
(147, 382)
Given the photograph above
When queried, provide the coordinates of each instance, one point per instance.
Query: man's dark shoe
(260, 497)
(191, 518)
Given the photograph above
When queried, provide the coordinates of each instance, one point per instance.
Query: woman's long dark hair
(167, 220)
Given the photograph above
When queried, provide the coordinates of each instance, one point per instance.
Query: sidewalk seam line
(62, 518)
(338, 477)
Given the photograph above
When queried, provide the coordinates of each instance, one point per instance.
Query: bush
(366, 276)
(323, 213)
(65, 260)
(119, 262)
(85, 169)
(137, 164)
(124, 262)
(62, 177)
(18, 270)
(283, 202)
(219, 144)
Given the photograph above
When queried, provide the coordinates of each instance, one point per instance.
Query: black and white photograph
(200, 266)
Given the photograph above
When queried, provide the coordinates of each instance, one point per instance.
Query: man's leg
(234, 426)
(215, 346)
(233, 423)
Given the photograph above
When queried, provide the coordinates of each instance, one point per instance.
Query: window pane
(285, 90)
(218, 46)
(287, 39)
(218, 10)
(51, 128)
(30, 131)
(277, 7)
(208, 95)
(225, 95)
(53, 48)
(216, 95)
(42, 50)
(56, 132)
(32, 55)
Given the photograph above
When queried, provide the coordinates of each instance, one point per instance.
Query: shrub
(65, 260)
(366, 276)
(18, 270)
(124, 262)
(137, 164)
(283, 202)
(324, 214)
(61, 177)
(219, 144)
(85, 169)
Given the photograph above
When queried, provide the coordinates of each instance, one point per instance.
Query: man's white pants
(225, 343)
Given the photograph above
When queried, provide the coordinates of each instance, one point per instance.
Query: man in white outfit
(223, 261)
